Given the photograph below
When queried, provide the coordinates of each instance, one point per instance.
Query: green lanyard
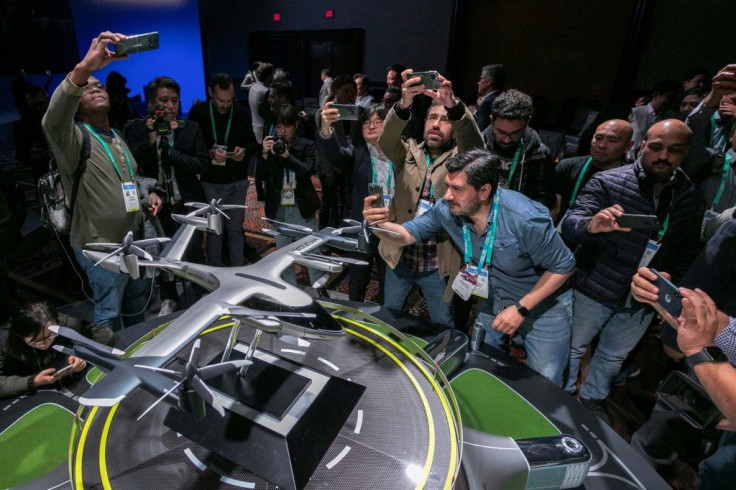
(724, 178)
(487, 251)
(666, 220)
(431, 186)
(516, 161)
(580, 181)
(109, 153)
(229, 122)
(375, 174)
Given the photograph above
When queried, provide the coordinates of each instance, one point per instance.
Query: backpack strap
(83, 157)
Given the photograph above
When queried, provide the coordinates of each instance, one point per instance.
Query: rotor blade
(118, 250)
(347, 230)
(77, 337)
(63, 349)
(102, 245)
(351, 222)
(136, 250)
(213, 371)
(158, 370)
(194, 354)
(378, 231)
(206, 394)
(222, 212)
(201, 211)
(166, 393)
(321, 281)
(232, 206)
(151, 241)
(288, 225)
(198, 205)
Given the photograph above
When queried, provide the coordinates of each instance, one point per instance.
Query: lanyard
(431, 186)
(724, 178)
(490, 239)
(229, 122)
(666, 220)
(388, 178)
(580, 181)
(516, 160)
(109, 153)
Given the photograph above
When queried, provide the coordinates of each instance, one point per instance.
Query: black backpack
(56, 206)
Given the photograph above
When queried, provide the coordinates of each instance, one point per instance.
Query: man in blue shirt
(514, 259)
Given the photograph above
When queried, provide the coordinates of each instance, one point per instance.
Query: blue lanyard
(109, 153)
(429, 176)
(487, 252)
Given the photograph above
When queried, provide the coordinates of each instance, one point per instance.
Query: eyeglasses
(369, 123)
(42, 341)
(95, 85)
(512, 135)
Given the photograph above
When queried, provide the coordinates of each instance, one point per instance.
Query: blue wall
(179, 55)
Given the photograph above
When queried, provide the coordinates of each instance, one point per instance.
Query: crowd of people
(482, 217)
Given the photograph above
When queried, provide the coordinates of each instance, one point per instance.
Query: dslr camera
(160, 125)
(279, 145)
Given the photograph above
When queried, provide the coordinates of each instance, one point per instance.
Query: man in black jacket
(608, 255)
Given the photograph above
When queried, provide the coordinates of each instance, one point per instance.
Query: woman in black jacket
(363, 163)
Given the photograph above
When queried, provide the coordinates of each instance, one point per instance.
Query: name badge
(649, 253)
(559, 225)
(709, 216)
(481, 282)
(386, 200)
(130, 197)
(464, 284)
(423, 207)
(287, 196)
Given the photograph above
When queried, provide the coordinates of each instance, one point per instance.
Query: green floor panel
(488, 405)
(40, 442)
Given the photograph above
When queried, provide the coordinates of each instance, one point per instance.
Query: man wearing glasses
(526, 163)
(108, 203)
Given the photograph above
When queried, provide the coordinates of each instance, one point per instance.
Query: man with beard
(513, 258)
(608, 255)
(420, 179)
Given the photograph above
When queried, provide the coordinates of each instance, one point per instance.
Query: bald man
(611, 142)
(608, 255)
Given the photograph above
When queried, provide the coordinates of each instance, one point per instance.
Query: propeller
(193, 376)
(130, 251)
(78, 338)
(214, 213)
(288, 226)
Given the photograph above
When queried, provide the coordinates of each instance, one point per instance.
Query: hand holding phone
(430, 79)
(137, 43)
(60, 373)
(348, 112)
(669, 296)
(376, 190)
(639, 221)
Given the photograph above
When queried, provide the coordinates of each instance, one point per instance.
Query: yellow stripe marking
(103, 448)
(78, 483)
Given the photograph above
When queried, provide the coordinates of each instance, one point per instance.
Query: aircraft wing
(112, 388)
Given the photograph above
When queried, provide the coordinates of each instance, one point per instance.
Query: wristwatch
(710, 353)
(523, 310)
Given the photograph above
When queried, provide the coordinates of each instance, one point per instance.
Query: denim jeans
(233, 193)
(620, 330)
(546, 334)
(718, 471)
(399, 281)
(116, 295)
(291, 214)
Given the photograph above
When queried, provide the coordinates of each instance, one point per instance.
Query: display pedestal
(284, 418)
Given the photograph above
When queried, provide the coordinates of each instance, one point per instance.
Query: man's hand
(605, 220)
(642, 287)
(97, 57)
(723, 83)
(698, 323)
(218, 154)
(155, 204)
(238, 154)
(372, 215)
(45, 377)
(77, 363)
(508, 320)
(329, 117)
(409, 89)
(444, 95)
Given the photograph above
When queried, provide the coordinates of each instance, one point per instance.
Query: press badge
(423, 207)
(464, 284)
(709, 216)
(481, 282)
(130, 197)
(287, 196)
(386, 200)
(649, 252)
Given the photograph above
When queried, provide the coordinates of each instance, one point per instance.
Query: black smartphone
(639, 221)
(377, 190)
(137, 43)
(669, 296)
(63, 371)
(348, 112)
(430, 79)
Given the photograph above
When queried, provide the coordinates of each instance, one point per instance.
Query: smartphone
(63, 371)
(430, 79)
(348, 112)
(137, 43)
(377, 190)
(669, 297)
(639, 221)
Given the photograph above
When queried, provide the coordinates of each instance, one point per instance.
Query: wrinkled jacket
(606, 262)
(535, 174)
(410, 168)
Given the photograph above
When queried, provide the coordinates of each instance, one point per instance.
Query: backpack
(56, 205)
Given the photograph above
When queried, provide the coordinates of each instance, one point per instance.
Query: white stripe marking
(338, 458)
(303, 343)
(359, 423)
(196, 462)
(293, 351)
(237, 483)
(328, 363)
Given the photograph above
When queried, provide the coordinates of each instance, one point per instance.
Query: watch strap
(709, 353)
(523, 310)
